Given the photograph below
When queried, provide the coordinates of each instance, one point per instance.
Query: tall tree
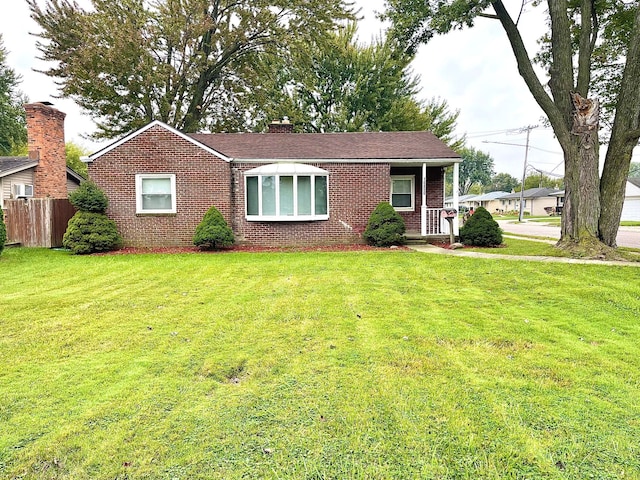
(540, 180)
(476, 172)
(593, 205)
(503, 182)
(340, 85)
(13, 130)
(187, 63)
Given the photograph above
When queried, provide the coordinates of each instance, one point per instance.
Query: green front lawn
(389, 364)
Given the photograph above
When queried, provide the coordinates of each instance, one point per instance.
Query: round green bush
(213, 231)
(386, 227)
(90, 232)
(481, 230)
(3, 231)
(89, 198)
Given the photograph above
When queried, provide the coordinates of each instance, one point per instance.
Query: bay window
(286, 192)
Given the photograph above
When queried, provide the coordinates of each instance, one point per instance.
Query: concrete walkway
(428, 248)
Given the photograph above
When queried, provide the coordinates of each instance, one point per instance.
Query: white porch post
(423, 210)
(456, 186)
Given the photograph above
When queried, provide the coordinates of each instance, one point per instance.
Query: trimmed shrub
(213, 232)
(3, 231)
(386, 227)
(481, 230)
(90, 232)
(89, 198)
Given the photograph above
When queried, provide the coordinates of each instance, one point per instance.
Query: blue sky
(473, 69)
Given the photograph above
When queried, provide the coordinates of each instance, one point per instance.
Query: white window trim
(285, 218)
(139, 178)
(413, 192)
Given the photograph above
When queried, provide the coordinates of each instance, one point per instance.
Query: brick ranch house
(277, 188)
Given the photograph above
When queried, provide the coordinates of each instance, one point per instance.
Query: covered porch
(418, 193)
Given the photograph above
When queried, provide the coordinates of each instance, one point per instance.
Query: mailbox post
(449, 214)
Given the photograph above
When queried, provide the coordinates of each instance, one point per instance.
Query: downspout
(456, 186)
(423, 210)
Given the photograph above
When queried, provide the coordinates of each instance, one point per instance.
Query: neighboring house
(465, 201)
(492, 201)
(277, 188)
(535, 200)
(44, 172)
(631, 205)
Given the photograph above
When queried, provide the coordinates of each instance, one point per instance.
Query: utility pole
(524, 170)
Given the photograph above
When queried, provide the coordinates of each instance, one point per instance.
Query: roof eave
(21, 168)
(433, 161)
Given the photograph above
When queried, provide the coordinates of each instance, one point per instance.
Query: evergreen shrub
(385, 227)
(481, 230)
(3, 231)
(213, 232)
(89, 198)
(90, 232)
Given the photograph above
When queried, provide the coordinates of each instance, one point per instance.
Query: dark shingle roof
(348, 146)
(634, 181)
(10, 165)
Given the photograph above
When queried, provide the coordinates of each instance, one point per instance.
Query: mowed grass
(389, 364)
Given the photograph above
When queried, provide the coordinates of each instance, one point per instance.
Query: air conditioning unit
(22, 190)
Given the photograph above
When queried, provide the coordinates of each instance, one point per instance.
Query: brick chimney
(281, 126)
(45, 134)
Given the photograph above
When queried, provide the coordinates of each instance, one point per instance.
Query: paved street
(627, 236)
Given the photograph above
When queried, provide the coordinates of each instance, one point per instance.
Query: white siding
(25, 176)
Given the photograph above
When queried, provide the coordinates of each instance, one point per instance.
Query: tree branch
(525, 68)
(588, 36)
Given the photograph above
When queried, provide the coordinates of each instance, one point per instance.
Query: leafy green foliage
(476, 169)
(187, 63)
(634, 170)
(503, 182)
(540, 180)
(89, 198)
(385, 227)
(339, 85)
(73, 153)
(3, 231)
(481, 230)
(13, 130)
(213, 232)
(89, 232)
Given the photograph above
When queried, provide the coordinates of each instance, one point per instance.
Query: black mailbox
(448, 213)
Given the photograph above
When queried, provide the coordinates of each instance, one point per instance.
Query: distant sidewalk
(433, 249)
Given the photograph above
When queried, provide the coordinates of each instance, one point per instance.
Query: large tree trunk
(582, 193)
(624, 136)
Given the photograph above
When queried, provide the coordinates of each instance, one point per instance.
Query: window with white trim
(155, 193)
(287, 192)
(403, 192)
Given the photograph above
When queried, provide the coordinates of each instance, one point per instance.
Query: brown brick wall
(45, 133)
(354, 191)
(202, 180)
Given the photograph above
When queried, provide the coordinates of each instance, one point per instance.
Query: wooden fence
(37, 222)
